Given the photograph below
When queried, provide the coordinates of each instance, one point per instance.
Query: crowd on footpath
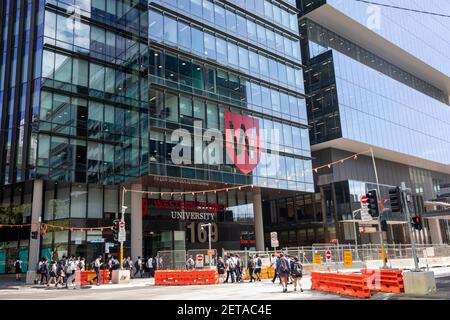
(62, 272)
(287, 269)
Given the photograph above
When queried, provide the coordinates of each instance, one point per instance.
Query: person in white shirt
(97, 266)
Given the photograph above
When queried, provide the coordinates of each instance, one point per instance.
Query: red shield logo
(242, 141)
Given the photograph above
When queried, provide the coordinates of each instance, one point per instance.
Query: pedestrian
(274, 266)
(97, 267)
(53, 275)
(155, 265)
(230, 266)
(44, 271)
(296, 273)
(60, 275)
(138, 267)
(239, 268)
(70, 270)
(251, 268)
(37, 279)
(283, 270)
(150, 267)
(190, 263)
(18, 268)
(131, 266)
(258, 267)
(221, 269)
(82, 264)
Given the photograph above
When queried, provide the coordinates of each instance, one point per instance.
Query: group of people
(140, 267)
(288, 269)
(60, 272)
(234, 269)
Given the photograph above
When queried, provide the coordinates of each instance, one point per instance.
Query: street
(143, 289)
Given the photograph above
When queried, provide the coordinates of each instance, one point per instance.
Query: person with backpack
(69, 270)
(283, 270)
(150, 267)
(230, 267)
(97, 267)
(138, 267)
(190, 263)
(296, 273)
(43, 270)
(53, 276)
(155, 265)
(251, 268)
(18, 268)
(258, 267)
(220, 268)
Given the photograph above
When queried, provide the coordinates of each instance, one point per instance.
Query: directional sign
(364, 200)
(199, 261)
(348, 259)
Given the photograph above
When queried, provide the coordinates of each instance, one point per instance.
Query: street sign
(211, 252)
(348, 259)
(199, 261)
(364, 200)
(317, 259)
(122, 235)
(274, 240)
(367, 230)
(328, 255)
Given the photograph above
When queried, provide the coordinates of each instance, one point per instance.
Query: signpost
(199, 261)
(122, 232)
(274, 240)
(328, 256)
(348, 259)
(317, 259)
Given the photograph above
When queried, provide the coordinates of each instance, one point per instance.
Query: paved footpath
(144, 289)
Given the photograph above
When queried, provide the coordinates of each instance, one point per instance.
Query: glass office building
(92, 92)
(376, 77)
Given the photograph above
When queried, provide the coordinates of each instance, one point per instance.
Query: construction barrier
(85, 278)
(384, 280)
(354, 285)
(266, 273)
(186, 277)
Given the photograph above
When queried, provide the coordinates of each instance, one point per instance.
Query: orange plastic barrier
(384, 280)
(186, 277)
(354, 285)
(86, 277)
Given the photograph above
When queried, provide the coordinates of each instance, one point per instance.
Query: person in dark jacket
(283, 269)
(18, 268)
(251, 268)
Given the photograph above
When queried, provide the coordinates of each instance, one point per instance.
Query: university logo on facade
(242, 141)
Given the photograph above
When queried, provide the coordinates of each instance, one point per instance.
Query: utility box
(121, 276)
(419, 283)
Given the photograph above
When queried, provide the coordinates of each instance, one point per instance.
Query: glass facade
(93, 91)
(419, 34)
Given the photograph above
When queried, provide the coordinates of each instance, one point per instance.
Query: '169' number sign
(199, 234)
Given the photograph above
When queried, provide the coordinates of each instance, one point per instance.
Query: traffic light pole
(380, 231)
(122, 219)
(411, 236)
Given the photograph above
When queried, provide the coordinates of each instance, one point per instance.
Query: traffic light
(372, 199)
(116, 229)
(417, 223)
(395, 196)
(384, 225)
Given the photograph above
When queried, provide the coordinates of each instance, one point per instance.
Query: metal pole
(122, 218)
(356, 235)
(408, 219)
(379, 218)
(209, 237)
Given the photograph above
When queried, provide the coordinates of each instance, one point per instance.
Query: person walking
(251, 268)
(239, 268)
(82, 264)
(44, 271)
(18, 268)
(70, 270)
(296, 273)
(53, 275)
(229, 264)
(138, 267)
(283, 270)
(155, 265)
(97, 268)
(150, 267)
(273, 264)
(190, 263)
(258, 267)
(221, 269)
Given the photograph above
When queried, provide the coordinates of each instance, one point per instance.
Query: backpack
(238, 263)
(259, 263)
(17, 265)
(249, 263)
(43, 268)
(297, 269)
(231, 264)
(127, 264)
(284, 265)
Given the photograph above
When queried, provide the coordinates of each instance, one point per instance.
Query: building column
(435, 231)
(136, 222)
(36, 216)
(259, 225)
